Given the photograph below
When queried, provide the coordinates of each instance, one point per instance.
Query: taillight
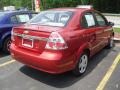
(56, 42)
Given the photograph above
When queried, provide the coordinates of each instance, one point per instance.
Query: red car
(60, 40)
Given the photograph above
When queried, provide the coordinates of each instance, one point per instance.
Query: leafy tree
(101, 5)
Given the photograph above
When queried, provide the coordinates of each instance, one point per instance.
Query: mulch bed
(117, 39)
(117, 35)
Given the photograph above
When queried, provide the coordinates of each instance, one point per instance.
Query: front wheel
(111, 42)
(81, 65)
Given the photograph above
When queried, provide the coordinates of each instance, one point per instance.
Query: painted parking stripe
(108, 74)
(6, 63)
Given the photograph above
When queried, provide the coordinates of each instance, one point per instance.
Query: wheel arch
(83, 49)
(5, 37)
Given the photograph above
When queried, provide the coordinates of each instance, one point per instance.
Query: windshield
(52, 18)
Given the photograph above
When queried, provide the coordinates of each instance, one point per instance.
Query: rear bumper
(50, 62)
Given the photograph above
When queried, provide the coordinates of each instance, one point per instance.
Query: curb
(117, 40)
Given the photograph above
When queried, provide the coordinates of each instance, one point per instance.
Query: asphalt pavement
(16, 76)
(114, 82)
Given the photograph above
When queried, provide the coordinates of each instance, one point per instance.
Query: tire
(6, 45)
(111, 43)
(81, 65)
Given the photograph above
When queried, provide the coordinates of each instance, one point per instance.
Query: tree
(85, 2)
(101, 5)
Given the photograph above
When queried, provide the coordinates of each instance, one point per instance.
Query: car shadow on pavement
(2, 54)
(66, 79)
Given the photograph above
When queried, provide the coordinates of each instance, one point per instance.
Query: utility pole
(37, 5)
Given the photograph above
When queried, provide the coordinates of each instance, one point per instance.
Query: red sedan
(60, 40)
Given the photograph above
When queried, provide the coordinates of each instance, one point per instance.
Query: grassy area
(117, 30)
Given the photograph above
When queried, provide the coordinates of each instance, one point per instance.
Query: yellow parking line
(6, 63)
(108, 74)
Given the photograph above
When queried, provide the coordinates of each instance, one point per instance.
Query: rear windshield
(52, 18)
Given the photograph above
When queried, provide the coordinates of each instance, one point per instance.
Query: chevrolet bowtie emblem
(26, 32)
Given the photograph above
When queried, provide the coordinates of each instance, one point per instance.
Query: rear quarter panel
(75, 37)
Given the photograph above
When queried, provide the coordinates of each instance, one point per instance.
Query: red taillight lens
(56, 42)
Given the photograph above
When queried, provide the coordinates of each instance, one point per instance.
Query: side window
(23, 18)
(13, 20)
(88, 20)
(100, 20)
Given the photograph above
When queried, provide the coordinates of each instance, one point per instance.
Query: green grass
(117, 30)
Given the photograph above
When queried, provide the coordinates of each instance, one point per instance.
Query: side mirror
(110, 23)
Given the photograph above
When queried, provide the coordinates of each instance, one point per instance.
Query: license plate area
(27, 42)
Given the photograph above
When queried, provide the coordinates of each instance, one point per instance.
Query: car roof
(7, 14)
(72, 9)
(15, 12)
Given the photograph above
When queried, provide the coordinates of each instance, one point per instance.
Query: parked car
(60, 40)
(9, 19)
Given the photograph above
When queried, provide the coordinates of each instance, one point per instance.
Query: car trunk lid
(33, 37)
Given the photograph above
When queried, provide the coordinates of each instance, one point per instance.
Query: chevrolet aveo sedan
(60, 40)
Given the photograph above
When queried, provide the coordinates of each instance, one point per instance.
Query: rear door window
(17, 19)
(14, 20)
(88, 20)
(23, 18)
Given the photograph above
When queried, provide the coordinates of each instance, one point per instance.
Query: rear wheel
(81, 65)
(6, 45)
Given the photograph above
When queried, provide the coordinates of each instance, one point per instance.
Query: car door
(102, 27)
(92, 32)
